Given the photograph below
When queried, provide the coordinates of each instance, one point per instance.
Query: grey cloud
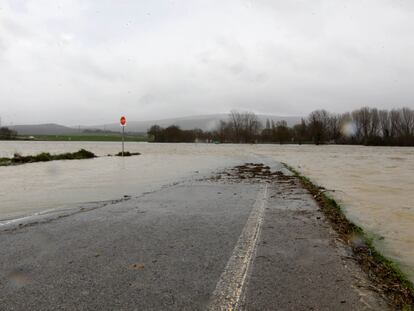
(86, 62)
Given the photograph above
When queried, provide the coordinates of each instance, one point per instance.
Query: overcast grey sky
(87, 62)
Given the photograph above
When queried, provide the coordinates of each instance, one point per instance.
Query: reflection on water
(375, 184)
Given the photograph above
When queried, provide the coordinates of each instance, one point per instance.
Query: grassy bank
(45, 157)
(385, 274)
(89, 137)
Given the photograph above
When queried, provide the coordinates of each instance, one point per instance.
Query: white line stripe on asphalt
(228, 293)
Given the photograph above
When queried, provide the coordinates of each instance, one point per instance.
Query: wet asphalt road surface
(261, 240)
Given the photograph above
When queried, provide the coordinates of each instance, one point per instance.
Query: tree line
(174, 134)
(365, 126)
(7, 134)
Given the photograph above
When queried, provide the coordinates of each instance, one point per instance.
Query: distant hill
(43, 129)
(204, 122)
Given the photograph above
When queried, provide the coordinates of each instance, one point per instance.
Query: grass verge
(45, 157)
(388, 279)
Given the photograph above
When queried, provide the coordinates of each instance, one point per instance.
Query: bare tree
(244, 126)
(362, 121)
(395, 120)
(384, 123)
(366, 125)
(374, 123)
(282, 132)
(318, 125)
(251, 126)
(236, 125)
(334, 127)
(6, 133)
(407, 122)
(223, 131)
(300, 131)
(156, 133)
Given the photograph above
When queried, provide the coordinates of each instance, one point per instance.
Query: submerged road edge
(386, 275)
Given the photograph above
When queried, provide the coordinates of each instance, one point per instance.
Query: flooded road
(210, 244)
(374, 184)
(36, 187)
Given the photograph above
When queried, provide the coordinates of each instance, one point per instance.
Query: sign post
(123, 123)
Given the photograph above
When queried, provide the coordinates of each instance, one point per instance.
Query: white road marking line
(228, 293)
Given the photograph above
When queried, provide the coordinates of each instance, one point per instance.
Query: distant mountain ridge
(203, 122)
(43, 129)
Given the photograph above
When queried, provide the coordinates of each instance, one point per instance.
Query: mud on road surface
(248, 238)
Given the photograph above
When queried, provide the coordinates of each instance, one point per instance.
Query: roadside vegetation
(365, 126)
(386, 275)
(45, 157)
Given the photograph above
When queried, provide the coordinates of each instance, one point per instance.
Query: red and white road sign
(123, 121)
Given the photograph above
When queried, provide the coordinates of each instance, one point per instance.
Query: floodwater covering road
(374, 184)
(241, 239)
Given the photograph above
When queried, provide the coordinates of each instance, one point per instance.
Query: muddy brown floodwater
(375, 185)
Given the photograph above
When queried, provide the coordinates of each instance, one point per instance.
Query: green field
(89, 137)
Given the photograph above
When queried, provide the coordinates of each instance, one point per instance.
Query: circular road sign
(123, 121)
